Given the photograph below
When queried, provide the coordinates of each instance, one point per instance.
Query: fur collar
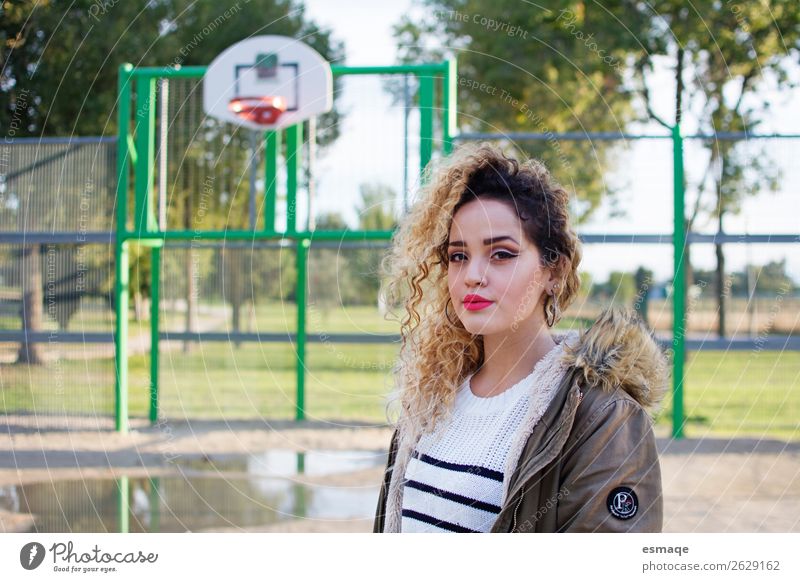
(619, 350)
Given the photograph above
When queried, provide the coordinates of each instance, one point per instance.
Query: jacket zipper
(522, 493)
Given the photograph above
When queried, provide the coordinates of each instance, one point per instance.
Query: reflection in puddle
(262, 490)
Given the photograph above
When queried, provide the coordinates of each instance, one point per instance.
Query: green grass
(750, 393)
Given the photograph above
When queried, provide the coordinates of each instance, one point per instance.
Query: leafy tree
(591, 66)
(523, 69)
(375, 212)
(721, 54)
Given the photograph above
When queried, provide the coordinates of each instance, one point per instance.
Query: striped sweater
(456, 476)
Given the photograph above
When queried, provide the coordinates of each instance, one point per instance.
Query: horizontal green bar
(151, 242)
(326, 235)
(169, 72)
(390, 70)
(199, 71)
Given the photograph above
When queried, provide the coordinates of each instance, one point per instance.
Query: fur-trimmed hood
(619, 350)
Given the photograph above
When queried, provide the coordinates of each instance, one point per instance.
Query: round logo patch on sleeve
(622, 502)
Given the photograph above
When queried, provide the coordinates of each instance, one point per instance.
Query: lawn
(751, 393)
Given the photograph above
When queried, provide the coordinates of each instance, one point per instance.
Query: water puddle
(230, 491)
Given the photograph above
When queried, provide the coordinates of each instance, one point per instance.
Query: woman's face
(490, 256)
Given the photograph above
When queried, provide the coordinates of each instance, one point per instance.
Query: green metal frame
(136, 147)
(678, 284)
(136, 150)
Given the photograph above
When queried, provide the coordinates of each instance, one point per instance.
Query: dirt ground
(710, 485)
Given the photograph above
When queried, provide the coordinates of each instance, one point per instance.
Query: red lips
(476, 302)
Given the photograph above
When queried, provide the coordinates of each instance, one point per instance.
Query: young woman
(505, 424)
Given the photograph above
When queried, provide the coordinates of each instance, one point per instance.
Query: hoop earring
(447, 314)
(551, 310)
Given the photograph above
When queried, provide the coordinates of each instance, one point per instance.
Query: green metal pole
(678, 285)
(121, 292)
(449, 105)
(300, 293)
(155, 285)
(123, 505)
(145, 219)
(426, 86)
(121, 252)
(294, 151)
(272, 151)
(155, 504)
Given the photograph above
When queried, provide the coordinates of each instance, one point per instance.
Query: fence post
(121, 251)
(449, 95)
(678, 284)
(273, 150)
(144, 220)
(300, 299)
(155, 283)
(294, 152)
(426, 90)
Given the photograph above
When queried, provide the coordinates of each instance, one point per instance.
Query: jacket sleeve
(611, 475)
(380, 510)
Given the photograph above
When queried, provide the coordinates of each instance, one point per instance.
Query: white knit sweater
(456, 478)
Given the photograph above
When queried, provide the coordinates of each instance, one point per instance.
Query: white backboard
(269, 65)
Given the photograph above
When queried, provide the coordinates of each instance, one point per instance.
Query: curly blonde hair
(436, 355)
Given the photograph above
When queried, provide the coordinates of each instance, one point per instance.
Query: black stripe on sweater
(433, 521)
(473, 469)
(454, 497)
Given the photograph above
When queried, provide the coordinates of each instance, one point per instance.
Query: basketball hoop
(267, 82)
(260, 110)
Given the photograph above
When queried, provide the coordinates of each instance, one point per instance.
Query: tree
(533, 70)
(328, 270)
(375, 212)
(722, 55)
(643, 278)
(590, 67)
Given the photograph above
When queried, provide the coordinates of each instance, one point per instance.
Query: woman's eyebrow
(486, 241)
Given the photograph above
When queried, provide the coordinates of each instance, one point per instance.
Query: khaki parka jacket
(590, 463)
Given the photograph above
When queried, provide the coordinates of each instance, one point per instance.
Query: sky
(370, 149)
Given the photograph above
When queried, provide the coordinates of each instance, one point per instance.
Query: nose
(476, 273)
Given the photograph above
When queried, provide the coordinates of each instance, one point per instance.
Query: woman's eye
(505, 256)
